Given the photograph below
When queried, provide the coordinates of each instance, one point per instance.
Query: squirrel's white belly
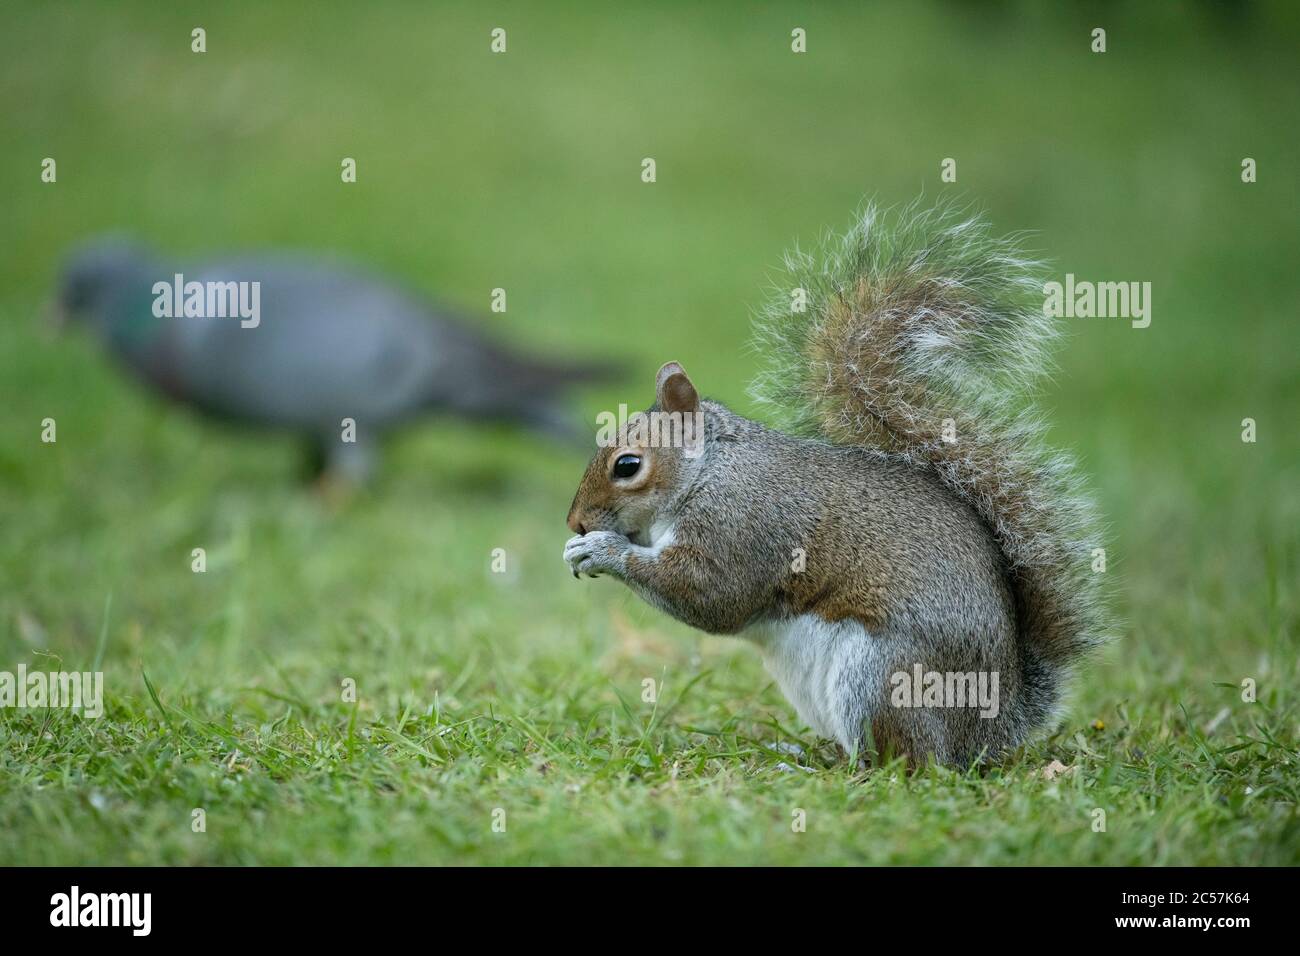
(815, 662)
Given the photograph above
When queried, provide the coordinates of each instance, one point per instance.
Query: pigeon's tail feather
(540, 400)
(556, 375)
(495, 384)
(553, 420)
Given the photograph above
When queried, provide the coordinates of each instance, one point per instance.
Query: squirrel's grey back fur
(920, 326)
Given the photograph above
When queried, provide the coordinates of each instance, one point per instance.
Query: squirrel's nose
(574, 524)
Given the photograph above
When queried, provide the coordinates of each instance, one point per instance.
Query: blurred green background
(522, 171)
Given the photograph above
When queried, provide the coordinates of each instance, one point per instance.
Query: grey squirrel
(910, 521)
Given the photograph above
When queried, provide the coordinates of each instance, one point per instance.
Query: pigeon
(307, 344)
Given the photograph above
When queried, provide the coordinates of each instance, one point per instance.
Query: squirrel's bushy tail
(921, 334)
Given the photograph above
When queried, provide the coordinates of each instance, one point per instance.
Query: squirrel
(909, 524)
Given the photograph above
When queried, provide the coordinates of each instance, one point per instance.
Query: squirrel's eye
(627, 466)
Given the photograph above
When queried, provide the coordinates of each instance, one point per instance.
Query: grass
(523, 691)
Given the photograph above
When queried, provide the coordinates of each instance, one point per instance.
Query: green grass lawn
(521, 692)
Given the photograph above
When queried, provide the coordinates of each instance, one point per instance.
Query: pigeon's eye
(627, 466)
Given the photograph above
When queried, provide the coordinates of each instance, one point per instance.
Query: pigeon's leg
(343, 467)
(352, 461)
(315, 461)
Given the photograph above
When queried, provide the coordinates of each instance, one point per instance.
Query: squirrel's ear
(674, 391)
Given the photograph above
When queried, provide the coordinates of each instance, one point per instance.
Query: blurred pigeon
(303, 344)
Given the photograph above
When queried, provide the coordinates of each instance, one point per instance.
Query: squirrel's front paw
(596, 552)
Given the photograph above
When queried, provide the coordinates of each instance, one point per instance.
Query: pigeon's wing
(325, 344)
